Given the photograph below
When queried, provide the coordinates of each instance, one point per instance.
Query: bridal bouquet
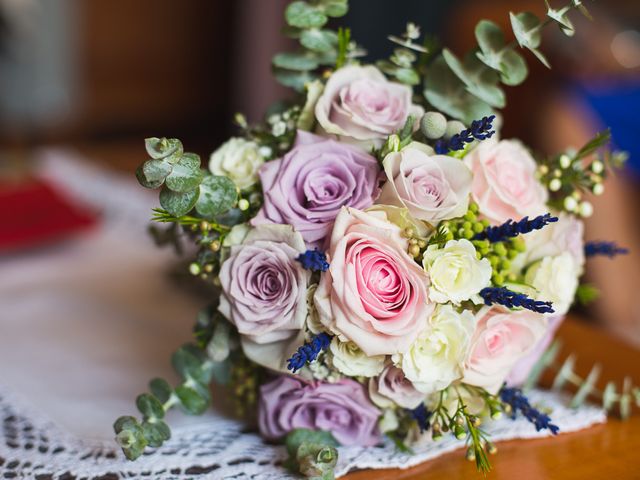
(380, 261)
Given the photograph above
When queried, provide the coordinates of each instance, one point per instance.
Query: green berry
(453, 128)
(500, 249)
(433, 125)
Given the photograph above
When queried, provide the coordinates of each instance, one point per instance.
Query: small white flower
(238, 159)
(556, 280)
(353, 362)
(436, 357)
(456, 273)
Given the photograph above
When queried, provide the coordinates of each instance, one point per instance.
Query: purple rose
(342, 408)
(264, 292)
(392, 387)
(307, 187)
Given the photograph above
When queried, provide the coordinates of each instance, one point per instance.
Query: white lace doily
(84, 325)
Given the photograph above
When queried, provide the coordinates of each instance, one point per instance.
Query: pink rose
(391, 388)
(504, 181)
(359, 103)
(565, 235)
(502, 337)
(341, 408)
(307, 187)
(374, 294)
(431, 187)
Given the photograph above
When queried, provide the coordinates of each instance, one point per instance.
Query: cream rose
(501, 338)
(431, 187)
(555, 280)
(238, 159)
(504, 181)
(456, 272)
(360, 105)
(436, 357)
(348, 359)
(373, 294)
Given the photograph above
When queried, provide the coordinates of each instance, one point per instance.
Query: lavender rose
(308, 186)
(359, 104)
(342, 408)
(264, 293)
(392, 387)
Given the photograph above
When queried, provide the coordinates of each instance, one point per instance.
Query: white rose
(437, 356)
(556, 280)
(353, 362)
(238, 159)
(456, 273)
(431, 187)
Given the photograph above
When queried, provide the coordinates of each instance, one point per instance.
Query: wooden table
(610, 451)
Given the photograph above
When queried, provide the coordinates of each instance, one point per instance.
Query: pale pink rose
(502, 337)
(431, 187)
(374, 294)
(523, 367)
(504, 181)
(392, 388)
(359, 103)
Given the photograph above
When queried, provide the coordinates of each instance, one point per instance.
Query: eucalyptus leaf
(298, 436)
(186, 174)
(149, 406)
(479, 81)
(178, 204)
(446, 92)
(156, 433)
(156, 170)
(193, 401)
(159, 148)
(130, 437)
(303, 15)
(407, 76)
(526, 28)
(334, 8)
(217, 195)
(498, 56)
(513, 68)
(160, 389)
(142, 180)
(293, 79)
(319, 40)
(186, 363)
(295, 61)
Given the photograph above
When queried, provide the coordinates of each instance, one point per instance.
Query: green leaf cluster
(401, 64)
(185, 185)
(470, 88)
(312, 453)
(319, 46)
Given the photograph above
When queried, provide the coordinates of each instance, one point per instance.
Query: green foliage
(401, 64)
(177, 203)
(217, 195)
(319, 46)
(312, 453)
(469, 89)
(344, 39)
(149, 406)
(586, 294)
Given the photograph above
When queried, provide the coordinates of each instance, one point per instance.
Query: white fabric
(85, 324)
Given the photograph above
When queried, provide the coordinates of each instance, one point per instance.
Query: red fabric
(33, 214)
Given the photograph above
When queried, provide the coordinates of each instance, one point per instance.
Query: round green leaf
(159, 148)
(335, 8)
(293, 79)
(160, 389)
(303, 15)
(407, 76)
(294, 61)
(156, 433)
(319, 40)
(156, 170)
(513, 68)
(142, 179)
(217, 195)
(189, 365)
(149, 406)
(193, 401)
(178, 204)
(186, 174)
(525, 27)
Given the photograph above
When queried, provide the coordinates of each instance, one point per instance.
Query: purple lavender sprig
(308, 352)
(608, 249)
(422, 416)
(313, 260)
(518, 402)
(511, 229)
(479, 130)
(510, 299)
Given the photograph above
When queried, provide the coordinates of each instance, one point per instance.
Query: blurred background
(90, 79)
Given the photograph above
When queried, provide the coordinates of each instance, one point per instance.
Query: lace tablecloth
(85, 324)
